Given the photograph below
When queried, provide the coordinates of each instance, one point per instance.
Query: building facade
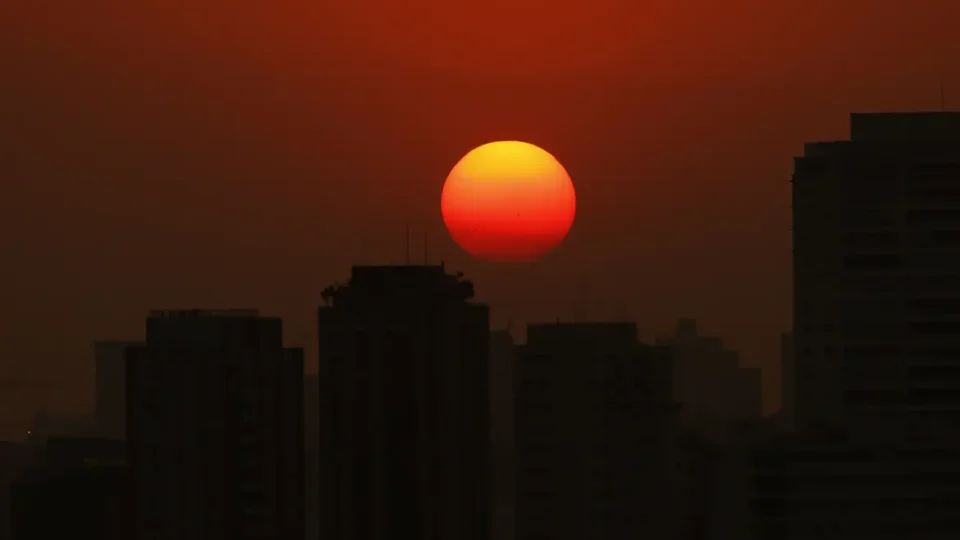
(715, 392)
(595, 438)
(503, 364)
(215, 428)
(876, 265)
(404, 419)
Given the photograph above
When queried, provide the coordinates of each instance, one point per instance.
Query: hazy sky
(240, 153)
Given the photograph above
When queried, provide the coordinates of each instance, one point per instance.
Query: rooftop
(400, 281)
(936, 127)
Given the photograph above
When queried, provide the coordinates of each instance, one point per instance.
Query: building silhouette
(876, 340)
(595, 435)
(110, 408)
(876, 243)
(828, 486)
(715, 391)
(215, 428)
(76, 487)
(404, 418)
(45, 425)
(503, 364)
(311, 458)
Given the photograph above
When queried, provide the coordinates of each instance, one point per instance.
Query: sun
(508, 201)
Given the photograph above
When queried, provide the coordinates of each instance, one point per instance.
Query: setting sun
(508, 201)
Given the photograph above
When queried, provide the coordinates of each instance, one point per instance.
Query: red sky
(179, 154)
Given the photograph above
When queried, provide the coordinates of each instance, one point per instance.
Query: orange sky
(170, 154)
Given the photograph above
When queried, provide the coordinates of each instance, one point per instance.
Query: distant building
(405, 414)
(215, 428)
(595, 434)
(876, 266)
(45, 425)
(111, 396)
(714, 391)
(79, 487)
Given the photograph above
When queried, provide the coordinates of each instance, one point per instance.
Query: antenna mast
(407, 238)
(425, 252)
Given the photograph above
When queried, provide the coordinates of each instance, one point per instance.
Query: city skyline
(512, 270)
(271, 157)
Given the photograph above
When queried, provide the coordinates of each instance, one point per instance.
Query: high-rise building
(45, 425)
(404, 419)
(503, 364)
(876, 265)
(110, 408)
(311, 459)
(595, 435)
(215, 428)
(876, 340)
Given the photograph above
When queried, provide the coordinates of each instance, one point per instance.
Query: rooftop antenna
(425, 252)
(943, 96)
(407, 234)
(584, 302)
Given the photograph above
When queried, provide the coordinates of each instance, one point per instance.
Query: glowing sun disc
(508, 201)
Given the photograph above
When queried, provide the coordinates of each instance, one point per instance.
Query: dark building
(111, 387)
(876, 339)
(78, 487)
(311, 460)
(503, 360)
(404, 418)
(716, 393)
(215, 428)
(595, 435)
(876, 265)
